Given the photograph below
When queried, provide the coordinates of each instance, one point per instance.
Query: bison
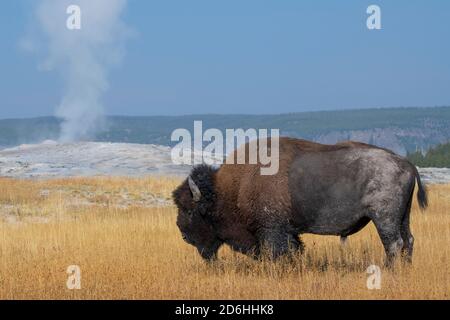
(320, 189)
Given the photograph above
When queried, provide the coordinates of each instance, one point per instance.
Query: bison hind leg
(391, 238)
(407, 237)
(392, 223)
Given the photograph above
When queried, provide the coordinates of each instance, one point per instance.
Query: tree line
(438, 156)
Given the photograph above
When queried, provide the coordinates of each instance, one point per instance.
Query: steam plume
(83, 57)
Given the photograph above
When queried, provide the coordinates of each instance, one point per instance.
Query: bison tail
(422, 196)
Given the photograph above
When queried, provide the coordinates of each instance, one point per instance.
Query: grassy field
(122, 234)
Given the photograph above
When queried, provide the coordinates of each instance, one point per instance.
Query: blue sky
(250, 56)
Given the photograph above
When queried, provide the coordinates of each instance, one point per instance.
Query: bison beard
(321, 189)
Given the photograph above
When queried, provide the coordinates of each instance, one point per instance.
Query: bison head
(196, 199)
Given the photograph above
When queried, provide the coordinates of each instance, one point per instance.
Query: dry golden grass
(129, 249)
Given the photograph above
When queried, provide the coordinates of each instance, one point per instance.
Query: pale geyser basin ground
(51, 159)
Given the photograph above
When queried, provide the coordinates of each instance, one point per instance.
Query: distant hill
(400, 129)
(437, 157)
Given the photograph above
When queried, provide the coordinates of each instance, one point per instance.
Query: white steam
(83, 57)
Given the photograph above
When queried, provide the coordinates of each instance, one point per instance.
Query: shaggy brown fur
(322, 189)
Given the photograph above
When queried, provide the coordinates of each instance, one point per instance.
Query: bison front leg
(279, 243)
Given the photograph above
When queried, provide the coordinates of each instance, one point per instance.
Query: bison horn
(196, 194)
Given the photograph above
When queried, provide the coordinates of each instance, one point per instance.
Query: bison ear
(196, 194)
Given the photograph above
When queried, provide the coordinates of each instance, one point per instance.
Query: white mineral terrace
(51, 159)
